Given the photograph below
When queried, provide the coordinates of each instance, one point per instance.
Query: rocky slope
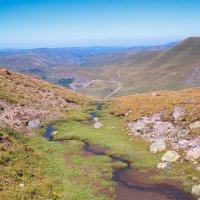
(170, 122)
(24, 98)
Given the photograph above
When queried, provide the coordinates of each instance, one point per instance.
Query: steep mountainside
(174, 69)
(24, 98)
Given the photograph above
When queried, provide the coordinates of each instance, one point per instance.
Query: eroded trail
(128, 186)
(119, 85)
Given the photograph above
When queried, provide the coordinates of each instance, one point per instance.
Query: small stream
(127, 187)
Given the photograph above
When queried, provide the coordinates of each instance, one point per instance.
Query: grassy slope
(146, 104)
(30, 90)
(166, 70)
(99, 88)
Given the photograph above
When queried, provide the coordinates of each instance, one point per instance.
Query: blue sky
(59, 23)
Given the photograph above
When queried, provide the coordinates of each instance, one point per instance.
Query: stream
(128, 188)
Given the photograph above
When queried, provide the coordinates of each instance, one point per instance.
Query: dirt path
(119, 85)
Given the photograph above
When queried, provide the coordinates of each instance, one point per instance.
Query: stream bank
(128, 188)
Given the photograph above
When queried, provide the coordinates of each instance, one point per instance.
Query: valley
(126, 130)
(137, 69)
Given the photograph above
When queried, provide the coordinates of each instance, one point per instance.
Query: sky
(62, 23)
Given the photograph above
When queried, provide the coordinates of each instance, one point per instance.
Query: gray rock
(196, 189)
(98, 125)
(164, 165)
(179, 113)
(198, 168)
(183, 133)
(96, 119)
(193, 154)
(154, 94)
(143, 128)
(146, 130)
(170, 156)
(34, 123)
(195, 125)
(158, 146)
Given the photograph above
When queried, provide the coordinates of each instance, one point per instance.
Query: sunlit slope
(174, 69)
(24, 98)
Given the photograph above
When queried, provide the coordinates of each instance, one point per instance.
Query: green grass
(114, 135)
(62, 170)
(21, 163)
(53, 170)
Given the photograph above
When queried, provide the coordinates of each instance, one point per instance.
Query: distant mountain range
(26, 59)
(101, 70)
(170, 69)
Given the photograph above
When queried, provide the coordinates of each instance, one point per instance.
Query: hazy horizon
(112, 43)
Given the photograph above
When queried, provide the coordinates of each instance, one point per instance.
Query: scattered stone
(96, 119)
(34, 123)
(154, 94)
(98, 125)
(158, 146)
(126, 115)
(179, 113)
(183, 133)
(194, 125)
(153, 128)
(21, 185)
(198, 168)
(194, 178)
(196, 189)
(164, 165)
(113, 127)
(170, 156)
(54, 133)
(193, 154)
(6, 72)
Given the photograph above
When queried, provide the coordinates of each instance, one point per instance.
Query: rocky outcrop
(179, 113)
(193, 154)
(195, 125)
(154, 129)
(196, 189)
(183, 133)
(164, 165)
(158, 146)
(170, 156)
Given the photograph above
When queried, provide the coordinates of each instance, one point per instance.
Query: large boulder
(195, 125)
(164, 165)
(170, 156)
(98, 125)
(179, 113)
(196, 189)
(193, 154)
(158, 146)
(34, 124)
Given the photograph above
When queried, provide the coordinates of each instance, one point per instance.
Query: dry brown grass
(145, 104)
